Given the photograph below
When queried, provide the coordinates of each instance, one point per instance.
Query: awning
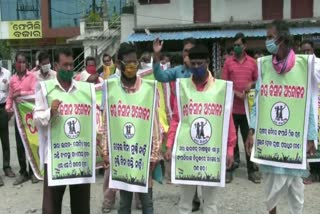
(214, 34)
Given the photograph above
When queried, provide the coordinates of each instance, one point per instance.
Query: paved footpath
(240, 197)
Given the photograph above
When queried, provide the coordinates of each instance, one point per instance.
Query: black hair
(125, 48)
(90, 58)
(162, 56)
(64, 51)
(189, 41)
(307, 42)
(282, 29)
(258, 52)
(176, 59)
(241, 36)
(20, 54)
(43, 55)
(199, 52)
(106, 55)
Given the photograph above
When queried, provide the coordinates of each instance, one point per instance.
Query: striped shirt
(241, 74)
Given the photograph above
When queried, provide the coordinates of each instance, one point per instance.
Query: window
(301, 10)
(201, 11)
(67, 13)
(154, 1)
(12, 10)
(272, 9)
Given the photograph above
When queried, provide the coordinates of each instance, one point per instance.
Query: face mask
(199, 71)
(271, 46)
(238, 50)
(130, 70)
(46, 68)
(20, 67)
(165, 66)
(65, 76)
(146, 65)
(91, 69)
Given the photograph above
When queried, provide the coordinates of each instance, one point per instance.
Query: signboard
(26, 29)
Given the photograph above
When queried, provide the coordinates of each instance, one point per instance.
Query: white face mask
(147, 65)
(46, 68)
(165, 66)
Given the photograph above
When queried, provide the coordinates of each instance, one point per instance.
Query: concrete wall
(316, 8)
(181, 11)
(4, 30)
(127, 25)
(286, 9)
(177, 12)
(221, 11)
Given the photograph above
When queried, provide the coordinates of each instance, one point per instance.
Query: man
(165, 61)
(130, 83)
(181, 71)
(63, 85)
(307, 47)
(108, 68)
(242, 70)
(90, 74)
(21, 84)
(284, 67)
(200, 88)
(4, 122)
(146, 61)
(109, 195)
(45, 72)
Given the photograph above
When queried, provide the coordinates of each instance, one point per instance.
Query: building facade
(33, 25)
(215, 22)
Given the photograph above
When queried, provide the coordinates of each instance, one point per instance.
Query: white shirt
(317, 68)
(51, 75)
(4, 84)
(42, 116)
(84, 75)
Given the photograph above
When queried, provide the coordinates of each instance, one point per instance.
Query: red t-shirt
(241, 74)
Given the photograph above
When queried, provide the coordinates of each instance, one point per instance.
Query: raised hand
(157, 45)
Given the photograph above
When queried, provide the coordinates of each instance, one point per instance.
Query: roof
(215, 34)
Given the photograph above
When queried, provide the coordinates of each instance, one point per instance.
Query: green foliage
(93, 17)
(5, 49)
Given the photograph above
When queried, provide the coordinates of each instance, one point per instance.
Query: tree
(5, 50)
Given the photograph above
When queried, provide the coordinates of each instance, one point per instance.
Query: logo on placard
(72, 127)
(128, 130)
(200, 131)
(280, 113)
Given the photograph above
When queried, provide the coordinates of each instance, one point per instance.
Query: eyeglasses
(128, 62)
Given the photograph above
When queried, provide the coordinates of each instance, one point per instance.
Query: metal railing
(115, 28)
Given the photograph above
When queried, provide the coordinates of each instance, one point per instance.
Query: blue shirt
(312, 135)
(170, 74)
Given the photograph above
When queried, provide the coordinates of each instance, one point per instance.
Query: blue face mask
(271, 46)
(199, 71)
